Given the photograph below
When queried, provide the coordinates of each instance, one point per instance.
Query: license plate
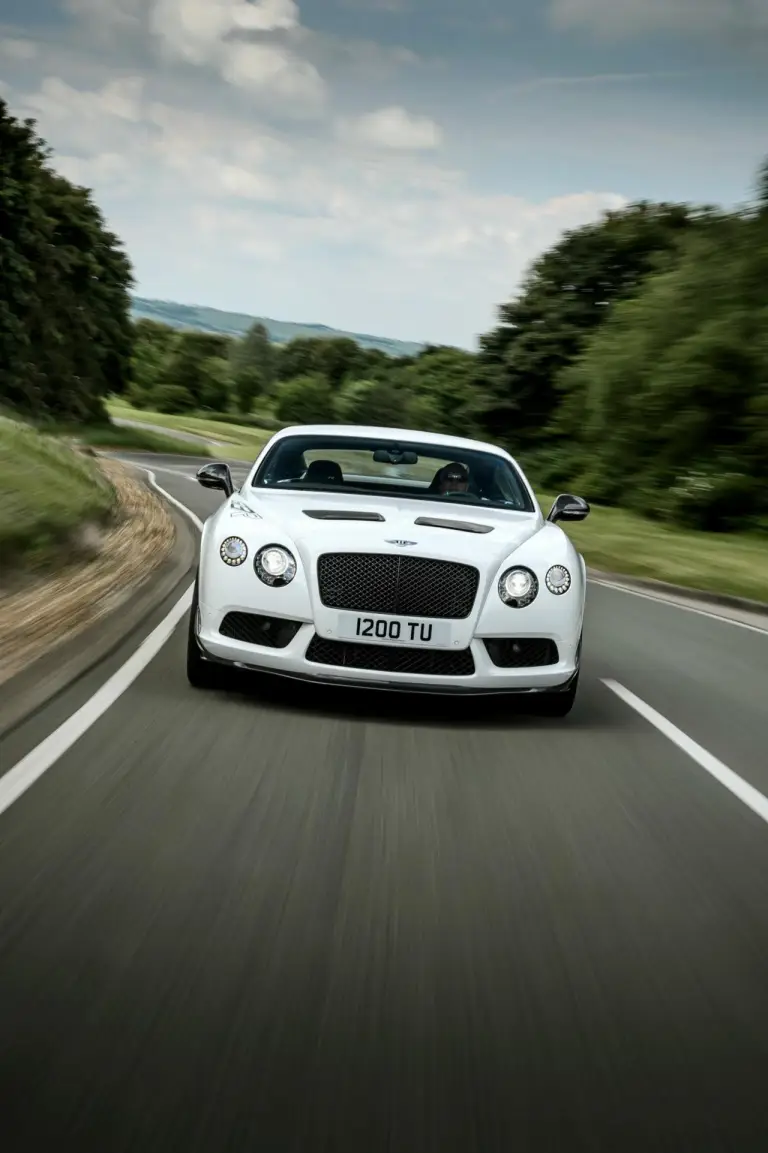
(394, 631)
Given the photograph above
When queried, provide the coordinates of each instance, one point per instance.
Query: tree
(186, 367)
(567, 294)
(376, 402)
(445, 385)
(247, 384)
(217, 384)
(65, 333)
(300, 357)
(153, 345)
(255, 355)
(305, 400)
(341, 358)
(671, 390)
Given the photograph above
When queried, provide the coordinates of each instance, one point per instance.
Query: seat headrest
(324, 472)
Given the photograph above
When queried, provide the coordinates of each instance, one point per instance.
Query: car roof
(376, 432)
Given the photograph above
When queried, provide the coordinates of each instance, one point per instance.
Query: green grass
(48, 490)
(136, 440)
(238, 441)
(617, 541)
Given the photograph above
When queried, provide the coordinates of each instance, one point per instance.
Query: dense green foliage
(632, 365)
(65, 332)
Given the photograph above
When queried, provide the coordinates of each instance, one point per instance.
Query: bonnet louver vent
(458, 525)
(341, 514)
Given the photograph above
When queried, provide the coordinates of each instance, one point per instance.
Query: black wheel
(559, 704)
(200, 674)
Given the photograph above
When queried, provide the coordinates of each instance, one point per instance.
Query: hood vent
(341, 514)
(458, 525)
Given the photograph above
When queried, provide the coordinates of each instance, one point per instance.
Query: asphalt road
(282, 920)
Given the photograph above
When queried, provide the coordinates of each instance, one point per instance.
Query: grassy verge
(113, 437)
(621, 542)
(237, 441)
(49, 492)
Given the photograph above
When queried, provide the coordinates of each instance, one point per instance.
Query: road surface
(287, 920)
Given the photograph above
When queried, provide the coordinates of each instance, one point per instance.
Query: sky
(382, 166)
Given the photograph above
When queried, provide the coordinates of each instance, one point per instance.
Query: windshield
(434, 472)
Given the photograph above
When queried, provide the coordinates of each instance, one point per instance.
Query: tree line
(632, 365)
(65, 332)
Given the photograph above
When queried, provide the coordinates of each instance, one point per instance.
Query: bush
(305, 400)
(170, 398)
(370, 402)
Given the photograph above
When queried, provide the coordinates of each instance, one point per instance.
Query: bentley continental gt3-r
(393, 559)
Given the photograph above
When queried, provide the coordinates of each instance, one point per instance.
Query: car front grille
(391, 658)
(399, 585)
(272, 632)
(522, 652)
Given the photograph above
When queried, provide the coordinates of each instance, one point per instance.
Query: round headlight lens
(558, 580)
(233, 551)
(275, 565)
(518, 587)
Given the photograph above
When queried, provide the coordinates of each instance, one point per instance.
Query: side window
(506, 484)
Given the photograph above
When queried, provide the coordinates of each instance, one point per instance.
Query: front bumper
(291, 661)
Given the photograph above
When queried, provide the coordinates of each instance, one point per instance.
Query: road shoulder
(65, 661)
(740, 610)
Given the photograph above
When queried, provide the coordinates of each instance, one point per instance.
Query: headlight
(233, 551)
(274, 565)
(518, 587)
(558, 580)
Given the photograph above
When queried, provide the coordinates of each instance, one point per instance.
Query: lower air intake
(391, 659)
(522, 652)
(272, 632)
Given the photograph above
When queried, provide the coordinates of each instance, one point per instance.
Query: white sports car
(393, 559)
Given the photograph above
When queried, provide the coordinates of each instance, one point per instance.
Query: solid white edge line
(660, 599)
(735, 784)
(187, 511)
(32, 766)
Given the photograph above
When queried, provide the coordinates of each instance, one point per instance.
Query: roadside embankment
(78, 535)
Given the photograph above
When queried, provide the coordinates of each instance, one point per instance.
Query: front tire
(201, 674)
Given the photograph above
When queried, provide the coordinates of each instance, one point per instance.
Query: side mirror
(568, 508)
(216, 476)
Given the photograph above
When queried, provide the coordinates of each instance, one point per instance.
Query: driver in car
(455, 478)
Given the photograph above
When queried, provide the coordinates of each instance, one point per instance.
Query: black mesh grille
(522, 652)
(391, 659)
(273, 632)
(400, 585)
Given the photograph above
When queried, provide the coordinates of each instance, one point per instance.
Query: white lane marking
(175, 472)
(187, 511)
(31, 767)
(746, 793)
(663, 600)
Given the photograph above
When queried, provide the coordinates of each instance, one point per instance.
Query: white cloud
(615, 18)
(218, 196)
(18, 49)
(392, 128)
(109, 118)
(254, 45)
(275, 71)
(211, 199)
(266, 15)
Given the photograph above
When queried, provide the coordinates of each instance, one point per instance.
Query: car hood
(327, 521)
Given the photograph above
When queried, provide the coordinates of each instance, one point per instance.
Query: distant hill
(202, 319)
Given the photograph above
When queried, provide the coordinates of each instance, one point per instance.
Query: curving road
(282, 920)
